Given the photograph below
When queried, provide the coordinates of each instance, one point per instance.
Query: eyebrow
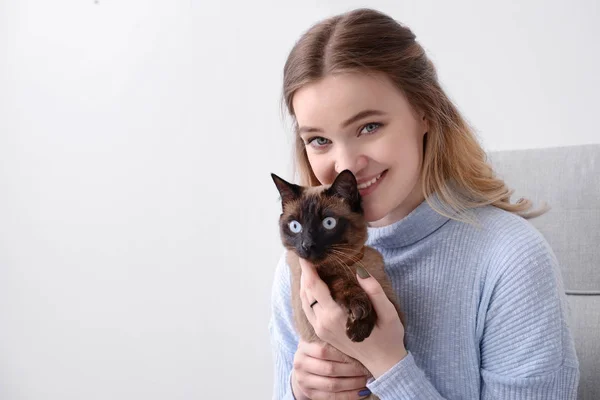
(349, 121)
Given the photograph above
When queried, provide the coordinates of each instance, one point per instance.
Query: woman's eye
(370, 128)
(329, 223)
(318, 141)
(295, 226)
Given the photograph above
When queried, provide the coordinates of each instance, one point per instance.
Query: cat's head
(322, 223)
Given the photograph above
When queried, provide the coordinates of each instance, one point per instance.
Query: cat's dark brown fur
(335, 252)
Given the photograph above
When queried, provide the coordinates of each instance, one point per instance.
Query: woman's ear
(424, 123)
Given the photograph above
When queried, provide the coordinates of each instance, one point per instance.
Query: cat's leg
(361, 316)
(352, 297)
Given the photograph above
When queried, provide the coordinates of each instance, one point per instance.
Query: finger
(322, 351)
(382, 305)
(309, 299)
(332, 369)
(314, 285)
(348, 395)
(334, 385)
(308, 310)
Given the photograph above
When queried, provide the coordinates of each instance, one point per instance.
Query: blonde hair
(455, 167)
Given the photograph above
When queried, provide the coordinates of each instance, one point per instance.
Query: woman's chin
(375, 217)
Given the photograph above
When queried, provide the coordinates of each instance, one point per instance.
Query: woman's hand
(383, 349)
(321, 373)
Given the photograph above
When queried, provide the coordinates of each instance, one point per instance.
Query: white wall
(138, 231)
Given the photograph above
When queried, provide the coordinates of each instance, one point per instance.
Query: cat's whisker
(343, 246)
(336, 255)
(352, 258)
(337, 247)
(346, 255)
(339, 263)
(344, 266)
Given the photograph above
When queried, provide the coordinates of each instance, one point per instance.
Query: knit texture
(486, 314)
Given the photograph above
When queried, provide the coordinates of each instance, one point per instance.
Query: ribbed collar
(420, 223)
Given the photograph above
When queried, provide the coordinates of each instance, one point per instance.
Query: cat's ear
(346, 187)
(288, 191)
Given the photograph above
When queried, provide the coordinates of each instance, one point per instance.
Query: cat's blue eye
(295, 226)
(370, 128)
(329, 223)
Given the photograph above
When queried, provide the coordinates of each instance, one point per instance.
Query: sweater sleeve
(527, 350)
(283, 337)
(405, 380)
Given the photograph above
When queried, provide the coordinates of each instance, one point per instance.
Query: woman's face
(365, 124)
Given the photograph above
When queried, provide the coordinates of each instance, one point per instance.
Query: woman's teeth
(369, 183)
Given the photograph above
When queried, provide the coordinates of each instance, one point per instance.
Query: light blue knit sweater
(486, 314)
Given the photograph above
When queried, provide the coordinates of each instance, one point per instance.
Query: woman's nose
(347, 160)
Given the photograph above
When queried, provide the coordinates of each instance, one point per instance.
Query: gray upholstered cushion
(585, 325)
(568, 178)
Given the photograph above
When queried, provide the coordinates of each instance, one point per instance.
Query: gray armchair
(568, 178)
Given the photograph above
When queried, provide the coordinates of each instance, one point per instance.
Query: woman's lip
(367, 191)
(368, 179)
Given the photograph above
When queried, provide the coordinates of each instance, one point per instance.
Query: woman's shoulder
(500, 228)
(521, 290)
(509, 241)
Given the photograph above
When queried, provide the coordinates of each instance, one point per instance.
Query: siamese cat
(325, 225)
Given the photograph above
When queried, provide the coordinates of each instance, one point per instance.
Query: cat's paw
(361, 320)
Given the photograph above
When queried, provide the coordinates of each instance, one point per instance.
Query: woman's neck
(409, 204)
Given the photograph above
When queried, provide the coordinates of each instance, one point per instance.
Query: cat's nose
(308, 249)
(307, 246)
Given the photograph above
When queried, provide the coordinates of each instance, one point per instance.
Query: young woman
(479, 286)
